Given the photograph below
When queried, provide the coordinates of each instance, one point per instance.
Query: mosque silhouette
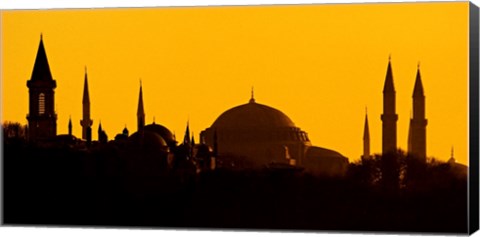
(252, 168)
(251, 135)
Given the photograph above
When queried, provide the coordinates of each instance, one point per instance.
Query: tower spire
(41, 68)
(186, 138)
(418, 122)
(366, 137)
(389, 116)
(418, 88)
(86, 121)
(42, 117)
(70, 126)
(140, 110)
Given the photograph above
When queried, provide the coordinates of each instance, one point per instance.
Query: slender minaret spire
(186, 138)
(418, 123)
(389, 116)
(86, 122)
(252, 98)
(366, 138)
(70, 126)
(140, 111)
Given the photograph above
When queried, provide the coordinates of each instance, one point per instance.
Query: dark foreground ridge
(63, 186)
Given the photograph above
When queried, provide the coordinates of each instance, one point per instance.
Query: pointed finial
(366, 110)
(389, 57)
(41, 36)
(153, 119)
(140, 82)
(452, 152)
(418, 65)
(252, 99)
(85, 69)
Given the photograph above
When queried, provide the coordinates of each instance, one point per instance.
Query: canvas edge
(473, 195)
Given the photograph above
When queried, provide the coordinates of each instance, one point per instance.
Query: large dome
(252, 115)
(254, 135)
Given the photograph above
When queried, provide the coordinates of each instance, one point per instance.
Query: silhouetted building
(366, 139)
(418, 124)
(86, 122)
(254, 135)
(389, 116)
(163, 132)
(42, 119)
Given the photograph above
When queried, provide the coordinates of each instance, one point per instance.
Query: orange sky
(319, 64)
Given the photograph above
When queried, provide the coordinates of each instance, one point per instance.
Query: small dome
(160, 130)
(252, 115)
(150, 140)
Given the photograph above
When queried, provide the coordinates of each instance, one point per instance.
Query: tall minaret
(366, 138)
(418, 122)
(140, 111)
(389, 117)
(86, 122)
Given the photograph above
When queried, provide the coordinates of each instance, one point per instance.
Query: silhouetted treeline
(109, 186)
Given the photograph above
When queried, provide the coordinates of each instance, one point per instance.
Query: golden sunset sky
(319, 64)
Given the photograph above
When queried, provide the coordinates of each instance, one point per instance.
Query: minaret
(70, 126)
(186, 138)
(389, 116)
(366, 138)
(418, 122)
(140, 111)
(42, 119)
(86, 122)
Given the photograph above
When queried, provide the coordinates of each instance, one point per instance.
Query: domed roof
(160, 130)
(315, 151)
(254, 115)
(150, 139)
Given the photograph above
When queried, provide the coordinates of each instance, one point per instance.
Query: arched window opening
(41, 103)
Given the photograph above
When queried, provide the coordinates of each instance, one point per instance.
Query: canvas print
(323, 117)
